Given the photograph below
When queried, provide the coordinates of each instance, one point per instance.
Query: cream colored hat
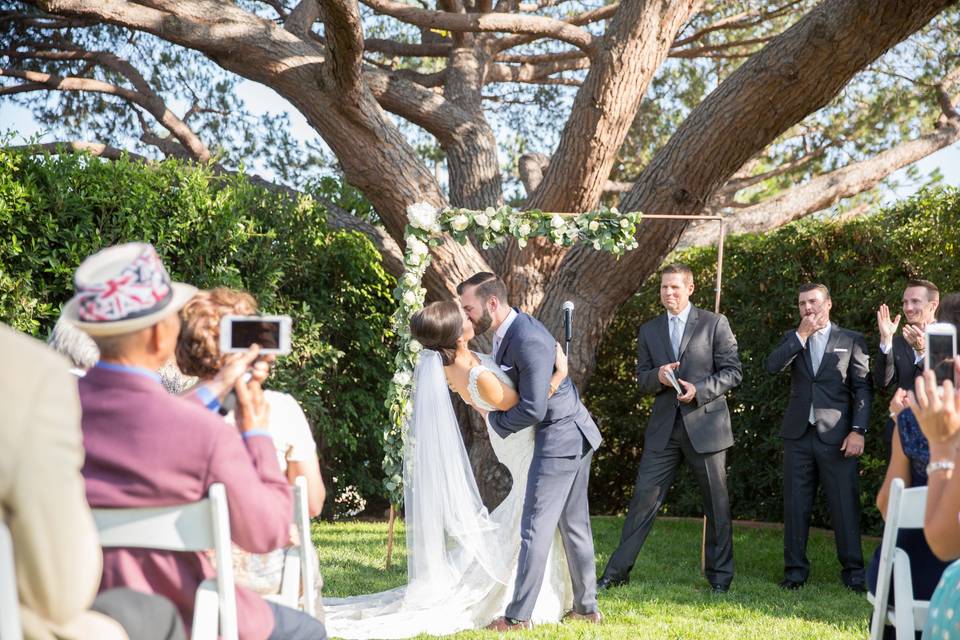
(123, 289)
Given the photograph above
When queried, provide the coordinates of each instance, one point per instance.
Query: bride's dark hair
(438, 326)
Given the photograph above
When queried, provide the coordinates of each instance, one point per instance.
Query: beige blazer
(55, 544)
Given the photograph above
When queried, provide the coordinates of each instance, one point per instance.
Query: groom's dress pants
(654, 477)
(556, 497)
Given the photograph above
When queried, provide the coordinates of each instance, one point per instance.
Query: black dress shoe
(790, 585)
(606, 582)
(719, 588)
(857, 587)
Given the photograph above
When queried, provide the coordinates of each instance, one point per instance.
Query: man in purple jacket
(145, 447)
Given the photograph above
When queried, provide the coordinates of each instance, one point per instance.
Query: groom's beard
(483, 324)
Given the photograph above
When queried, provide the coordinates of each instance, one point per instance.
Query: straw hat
(123, 289)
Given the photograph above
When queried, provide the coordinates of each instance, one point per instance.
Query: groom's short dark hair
(488, 285)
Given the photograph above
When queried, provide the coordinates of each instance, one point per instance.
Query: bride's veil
(448, 528)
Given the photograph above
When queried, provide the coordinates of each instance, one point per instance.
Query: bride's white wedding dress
(461, 561)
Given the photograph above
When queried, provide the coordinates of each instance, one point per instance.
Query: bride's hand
(560, 363)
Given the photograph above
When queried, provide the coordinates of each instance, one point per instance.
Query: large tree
(762, 111)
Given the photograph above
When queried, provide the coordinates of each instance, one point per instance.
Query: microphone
(568, 322)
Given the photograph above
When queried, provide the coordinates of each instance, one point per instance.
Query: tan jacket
(55, 544)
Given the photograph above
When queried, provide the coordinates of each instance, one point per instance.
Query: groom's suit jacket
(527, 354)
(709, 361)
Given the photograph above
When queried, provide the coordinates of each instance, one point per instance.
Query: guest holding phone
(198, 354)
(937, 408)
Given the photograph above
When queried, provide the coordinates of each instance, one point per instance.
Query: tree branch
(742, 20)
(407, 50)
(588, 17)
(489, 22)
(344, 36)
(826, 190)
(301, 19)
(150, 103)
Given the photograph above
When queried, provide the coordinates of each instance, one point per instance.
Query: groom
(566, 437)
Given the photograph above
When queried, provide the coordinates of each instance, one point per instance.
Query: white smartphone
(272, 333)
(941, 342)
(672, 377)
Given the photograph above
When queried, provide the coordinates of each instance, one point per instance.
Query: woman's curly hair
(198, 347)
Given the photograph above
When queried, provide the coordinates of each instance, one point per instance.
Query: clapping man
(900, 359)
(822, 431)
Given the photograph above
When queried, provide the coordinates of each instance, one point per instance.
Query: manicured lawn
(666, 597)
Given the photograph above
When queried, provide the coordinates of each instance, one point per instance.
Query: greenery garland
(606, 230)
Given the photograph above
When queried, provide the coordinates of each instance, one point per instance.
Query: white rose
(409, 297)
(460, 222)
(415, 346)
(594, 225)
(414, 260)
(524, 229)
(495, 225)
(557, 221)
(401, 378)
(615, 211)
(410, 280)
(422, 216)
(596, 245)
(624, 223)
(416, 246)
(481, 219)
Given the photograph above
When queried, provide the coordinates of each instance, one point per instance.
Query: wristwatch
(859, 430)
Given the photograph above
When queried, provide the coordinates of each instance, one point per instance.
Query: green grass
(666, 597)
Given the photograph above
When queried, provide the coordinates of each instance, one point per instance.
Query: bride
(461, 560)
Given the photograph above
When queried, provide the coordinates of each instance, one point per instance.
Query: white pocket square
(504, 367)
(839, 350)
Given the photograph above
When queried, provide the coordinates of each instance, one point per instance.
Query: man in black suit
(700, 350)
(900, 359)
(822, 433)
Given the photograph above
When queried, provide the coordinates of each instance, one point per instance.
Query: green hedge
(865, 262)
(217, 230)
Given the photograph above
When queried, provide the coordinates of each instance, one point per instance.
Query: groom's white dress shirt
(501, 332)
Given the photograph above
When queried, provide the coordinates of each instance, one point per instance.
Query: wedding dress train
(461, 561)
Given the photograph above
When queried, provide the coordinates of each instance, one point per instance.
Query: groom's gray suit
(566, 437)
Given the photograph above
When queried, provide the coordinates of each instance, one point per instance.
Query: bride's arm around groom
(565, 439)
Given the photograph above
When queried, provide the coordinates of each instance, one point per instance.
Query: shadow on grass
(666, 597)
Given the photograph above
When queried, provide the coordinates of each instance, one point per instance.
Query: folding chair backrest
(301, 519)
(9, 601)
(905, 510)
(196, 526)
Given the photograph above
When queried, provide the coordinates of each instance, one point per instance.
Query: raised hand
(252, 411)
(914, 337)
(885, 325)
(898, 403)
(811, 324)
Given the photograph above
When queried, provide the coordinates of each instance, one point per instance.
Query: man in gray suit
(822, 431)
(700, 350)
(566, 437)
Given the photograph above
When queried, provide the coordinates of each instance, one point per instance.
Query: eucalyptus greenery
(606, 229)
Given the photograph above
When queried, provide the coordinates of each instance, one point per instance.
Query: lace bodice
(487, 363)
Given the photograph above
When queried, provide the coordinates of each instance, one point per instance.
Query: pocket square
(504, 367)
(840, 350)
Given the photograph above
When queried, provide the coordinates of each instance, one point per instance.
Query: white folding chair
(904, 511)
(9, 600)
(197, 526)
(298, 570)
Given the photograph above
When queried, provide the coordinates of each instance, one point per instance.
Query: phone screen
(265, 333)
(941, 356)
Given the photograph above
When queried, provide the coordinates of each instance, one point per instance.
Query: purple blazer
(147, 448)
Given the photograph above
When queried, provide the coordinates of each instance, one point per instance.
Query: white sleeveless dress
(479, 598)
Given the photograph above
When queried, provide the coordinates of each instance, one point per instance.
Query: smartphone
(672, 377)
(941, 341)
(272, 333)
